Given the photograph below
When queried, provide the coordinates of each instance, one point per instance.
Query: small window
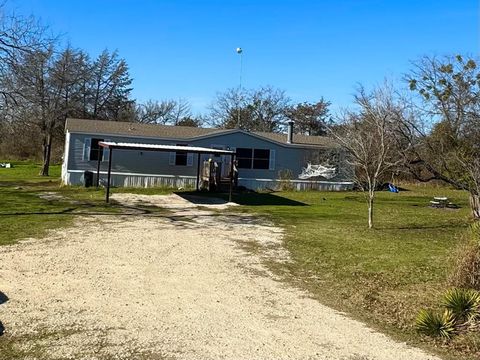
(96, 151)
(261, 158)
(244, 158)
(181, 157)
(253, 158)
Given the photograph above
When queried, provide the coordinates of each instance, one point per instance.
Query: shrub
(285, 176)
(463, 303)
(466, 272)
(435, 324)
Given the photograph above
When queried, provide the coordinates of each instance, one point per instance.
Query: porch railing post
(231, 179)
(98, 170)
(198, 172)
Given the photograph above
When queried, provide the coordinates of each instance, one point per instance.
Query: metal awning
(156, 147)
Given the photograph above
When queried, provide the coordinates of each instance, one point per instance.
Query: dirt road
(170, 287)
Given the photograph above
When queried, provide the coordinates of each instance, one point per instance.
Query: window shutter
(86, 149)
(190, 159)
(171, 159)
(106, 152)
(271, 162)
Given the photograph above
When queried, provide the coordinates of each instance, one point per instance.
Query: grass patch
(382, 276)
(10, 348)
(27, 171)
(31, 204)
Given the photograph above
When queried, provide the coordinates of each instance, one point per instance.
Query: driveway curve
(176, 286)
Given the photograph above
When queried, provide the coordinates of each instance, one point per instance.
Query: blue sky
(186, 49)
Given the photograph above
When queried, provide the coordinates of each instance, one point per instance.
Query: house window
(244, 158)
(261, 159)
(96, 151)
(181, 157)
(253, 158)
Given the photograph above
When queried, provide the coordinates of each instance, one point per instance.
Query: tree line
(42, 83)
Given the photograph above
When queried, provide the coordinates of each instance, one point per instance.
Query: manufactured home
(262, 160)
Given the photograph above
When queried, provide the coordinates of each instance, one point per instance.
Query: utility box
(88, 178)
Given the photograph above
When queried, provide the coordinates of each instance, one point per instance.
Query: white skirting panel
(135, 180)
(187, 182)
(158, 181)
(299, 185)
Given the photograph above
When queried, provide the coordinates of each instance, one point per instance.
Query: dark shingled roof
(299, 139)
(179, 132)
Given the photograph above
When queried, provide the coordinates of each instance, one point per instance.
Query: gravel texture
(172, 286)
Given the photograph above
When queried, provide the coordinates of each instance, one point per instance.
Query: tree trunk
(475, 206)
(370, 211)
(47, 149)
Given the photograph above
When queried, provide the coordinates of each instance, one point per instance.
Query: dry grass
(382, 276)
(466, 273)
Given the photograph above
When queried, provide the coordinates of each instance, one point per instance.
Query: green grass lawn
(25, 213)
(382, 276)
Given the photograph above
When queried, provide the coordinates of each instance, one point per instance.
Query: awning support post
(231, 179)
(98, 170)
(198, 172)
(107, 195)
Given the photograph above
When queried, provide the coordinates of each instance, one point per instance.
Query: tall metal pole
(240, 52)
(107, 196)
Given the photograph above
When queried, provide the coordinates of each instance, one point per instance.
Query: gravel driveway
(170, 287)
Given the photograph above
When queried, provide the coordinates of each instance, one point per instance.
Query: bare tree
(109, 86)
(180, 111)
(164, 112)
(310, 119)
(191, 121)
(153, 112)
(40, 85)
(368, 136)
(446, 128)
(229, 110)
(18, 36)
(50, 86)
(43, 81)
(263, 109)
(269, 109)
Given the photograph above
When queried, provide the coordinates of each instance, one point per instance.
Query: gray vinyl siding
(157, 163)
(128, 161)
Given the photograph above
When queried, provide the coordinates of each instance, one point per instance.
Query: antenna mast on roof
(240, 52)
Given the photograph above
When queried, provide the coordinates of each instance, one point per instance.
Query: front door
(222, 159)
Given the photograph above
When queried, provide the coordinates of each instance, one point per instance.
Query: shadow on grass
(86, 209)
(424, 227)
(247, 198)
(21, 183)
